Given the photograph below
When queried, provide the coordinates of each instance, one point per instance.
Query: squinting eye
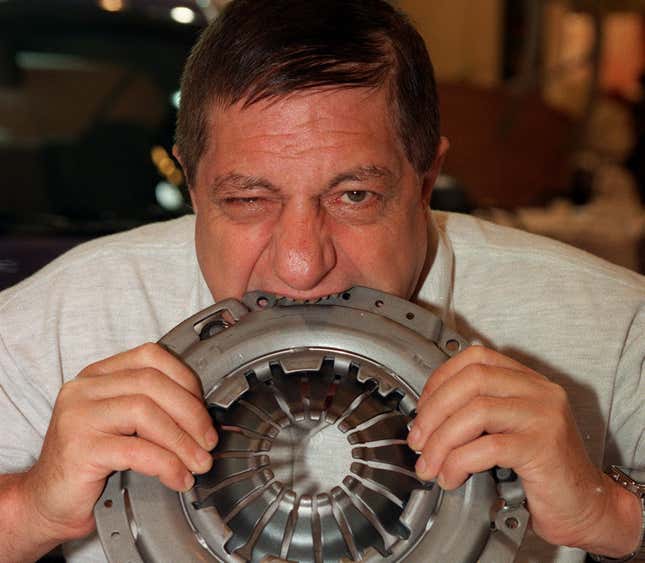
(241, 200)
(356, 196)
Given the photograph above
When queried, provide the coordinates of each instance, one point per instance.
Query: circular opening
(409, 316)
(512, 523)
(108, 503)
(452, 346)
(379, 303)
(324, 406)
(346, 296)
(115, 535)
(262, 302)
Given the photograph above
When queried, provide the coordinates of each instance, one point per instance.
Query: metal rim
(349, 386)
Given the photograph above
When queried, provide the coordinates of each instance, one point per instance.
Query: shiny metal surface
(312, 402)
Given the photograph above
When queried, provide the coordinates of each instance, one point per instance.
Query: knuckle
(180, 440)
(477, 353)
(496, 445)
(482, 404)
(142, 406)
(148, 351)
(148, 377)
(69, 390)
(559, 393)
(474, 369)
(175, 467)
(88, 370)
(132, 453)
(475, 373)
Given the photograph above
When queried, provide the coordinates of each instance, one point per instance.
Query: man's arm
(482, 409)
(140, 410)
(24, 535)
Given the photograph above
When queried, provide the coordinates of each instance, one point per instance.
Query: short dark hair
(261, 49)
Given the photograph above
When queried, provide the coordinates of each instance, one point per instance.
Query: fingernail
(210, 438)
(414, 436)
(189, 481)
(204, 459)
(421, 465)
(440, 481)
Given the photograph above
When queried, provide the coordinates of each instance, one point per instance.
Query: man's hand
(139, 410)
(481, 409)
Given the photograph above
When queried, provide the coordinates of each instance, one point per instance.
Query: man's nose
(302, 249)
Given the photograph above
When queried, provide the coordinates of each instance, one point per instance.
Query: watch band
(626, 478)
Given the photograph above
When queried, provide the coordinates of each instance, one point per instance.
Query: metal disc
(312, 402)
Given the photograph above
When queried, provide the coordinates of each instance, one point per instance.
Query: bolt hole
(512, 523)
(108, 503)
(452, 345)
(379, 303)
(262, 302)
(115, 535)
(346, 296)
(409, 316)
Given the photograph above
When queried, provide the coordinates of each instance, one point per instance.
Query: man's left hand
(482, 409)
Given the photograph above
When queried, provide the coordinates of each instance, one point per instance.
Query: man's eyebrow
(362, 174)
(239, 182)
(236, 181)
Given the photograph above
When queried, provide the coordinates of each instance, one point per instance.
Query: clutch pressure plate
(312, 402)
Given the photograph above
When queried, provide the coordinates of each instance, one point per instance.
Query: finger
(471, 355)
(482, 415)
(120, 453)
(140, 415)
(145, 356)
(504, 450)
(186, 410)
(474, 380)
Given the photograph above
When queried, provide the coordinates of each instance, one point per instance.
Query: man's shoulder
(113, 257)
(100, 298)
(495, 251)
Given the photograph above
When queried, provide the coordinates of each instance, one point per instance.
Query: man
(309, 135)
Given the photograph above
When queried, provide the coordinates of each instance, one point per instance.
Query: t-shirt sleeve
(626, 440)
(20, 442)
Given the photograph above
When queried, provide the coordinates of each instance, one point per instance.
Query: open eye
(355, 196)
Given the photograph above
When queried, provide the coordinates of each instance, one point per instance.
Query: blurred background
(543, 102)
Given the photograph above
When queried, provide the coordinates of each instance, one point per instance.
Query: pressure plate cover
(313, 402)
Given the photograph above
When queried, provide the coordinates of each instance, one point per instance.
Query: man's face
(307, 196)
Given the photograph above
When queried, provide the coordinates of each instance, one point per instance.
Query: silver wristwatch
(637, 487)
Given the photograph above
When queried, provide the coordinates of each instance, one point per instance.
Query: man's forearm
(22, 535)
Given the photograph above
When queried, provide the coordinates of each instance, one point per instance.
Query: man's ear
(431, 176)
(191, 192)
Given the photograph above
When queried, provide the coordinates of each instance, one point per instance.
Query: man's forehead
(325, 132)
(346, 107)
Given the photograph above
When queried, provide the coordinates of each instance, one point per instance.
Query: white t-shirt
(575, 318)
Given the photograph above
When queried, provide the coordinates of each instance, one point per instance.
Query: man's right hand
(141, 410)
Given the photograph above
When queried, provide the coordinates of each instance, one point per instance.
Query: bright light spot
(111, 5)
(157, 154)
(175, 99)
(169, 196)
(182, 14)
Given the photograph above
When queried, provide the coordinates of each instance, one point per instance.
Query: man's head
(309, 134)
(263, 49)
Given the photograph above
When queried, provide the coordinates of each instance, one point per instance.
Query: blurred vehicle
(88, 97)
